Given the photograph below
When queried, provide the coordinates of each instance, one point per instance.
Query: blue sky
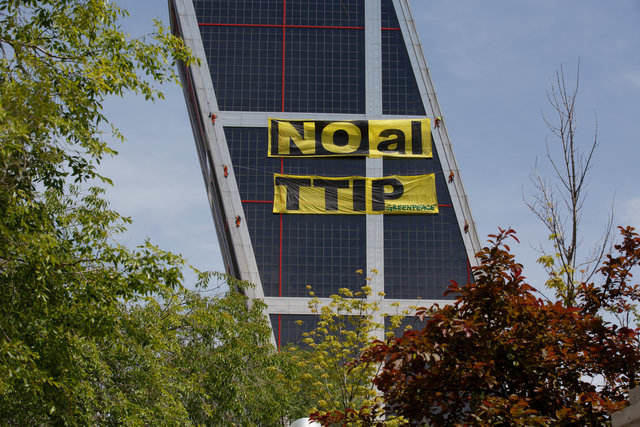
(491, 62)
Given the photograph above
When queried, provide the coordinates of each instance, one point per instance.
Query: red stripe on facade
(219, 24)
(445, 206)
(390, 29)
(320, 27)
(327, 27)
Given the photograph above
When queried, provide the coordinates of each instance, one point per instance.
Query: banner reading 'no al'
(364, 138)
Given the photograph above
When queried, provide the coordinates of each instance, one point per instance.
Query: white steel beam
(259, 119)
(374, 167)
(218, 151)
(289, 305)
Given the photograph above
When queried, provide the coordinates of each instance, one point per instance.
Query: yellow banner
(364, 138)
(355, 195)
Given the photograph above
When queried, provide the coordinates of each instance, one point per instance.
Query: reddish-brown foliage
(501, 355)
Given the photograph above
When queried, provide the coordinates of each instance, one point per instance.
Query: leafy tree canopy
(59, 59)
(92, 332)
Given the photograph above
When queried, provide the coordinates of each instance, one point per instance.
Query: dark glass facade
(307, 59)
(290, 328)
(324, 70)
(245, 65)
(287, 327)
(308, 56)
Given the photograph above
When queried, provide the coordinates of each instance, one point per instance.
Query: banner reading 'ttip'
(297, 194)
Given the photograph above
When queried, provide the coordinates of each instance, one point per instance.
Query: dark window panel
(323, 251)
(389, 17)
(327, 12)
(400, 94)
(239, 11)
(326, 166)
(253, 169)
(325, 71)
(320, 250)
(287, 331)
(423, 253)
(408, 322)
(246, 67)
(264, 229)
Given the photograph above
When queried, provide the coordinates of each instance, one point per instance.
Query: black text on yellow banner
(364, 138)
(355, 195)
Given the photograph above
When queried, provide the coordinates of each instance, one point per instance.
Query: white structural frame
(225, 188)
(374, 167)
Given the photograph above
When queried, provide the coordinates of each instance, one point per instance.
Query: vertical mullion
(374, 167)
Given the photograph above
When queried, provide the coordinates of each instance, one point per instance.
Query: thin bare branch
(559, 205)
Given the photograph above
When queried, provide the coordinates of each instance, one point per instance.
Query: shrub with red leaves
(502, 355)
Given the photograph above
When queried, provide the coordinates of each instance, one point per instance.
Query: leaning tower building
(323, 151)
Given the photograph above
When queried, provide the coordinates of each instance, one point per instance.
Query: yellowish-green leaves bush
(328, 377)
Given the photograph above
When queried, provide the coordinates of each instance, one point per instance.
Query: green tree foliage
(92, 332)
(324, 376)
(500, 355)
(217, 352)
(63, 288)
(59, 60)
